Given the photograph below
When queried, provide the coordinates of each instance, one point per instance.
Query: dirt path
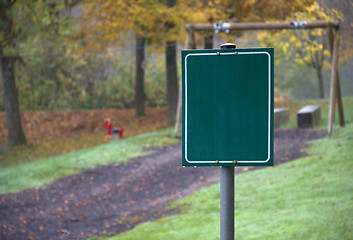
(110, 199)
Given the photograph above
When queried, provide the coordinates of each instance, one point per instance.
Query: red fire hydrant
(113, 132)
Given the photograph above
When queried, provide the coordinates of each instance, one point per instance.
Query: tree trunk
(172, 81)
(13, 117)
(321, 82)
(208, 42)
(139, 76)
(172, 75)
(15, 135)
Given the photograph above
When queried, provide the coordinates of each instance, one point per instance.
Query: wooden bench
(281, 115)
(308, 116)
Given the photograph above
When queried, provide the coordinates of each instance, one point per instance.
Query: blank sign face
(228, 107)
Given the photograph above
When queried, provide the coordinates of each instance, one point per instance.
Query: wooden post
(339, 95)
(340, 103)
(190, 43)
(178, 115)
(334, 72)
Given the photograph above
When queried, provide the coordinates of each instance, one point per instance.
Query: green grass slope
(310, 198)
(38, 173)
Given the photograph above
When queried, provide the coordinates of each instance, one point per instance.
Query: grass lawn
(40, 172)
(310, 198)
(53, 132)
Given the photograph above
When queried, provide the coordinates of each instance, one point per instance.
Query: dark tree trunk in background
(172, 75)
(172, 81)
(208, 42)
(321, 82)
(15, 135)
(317, 63)
(139, 76)
(13, 117)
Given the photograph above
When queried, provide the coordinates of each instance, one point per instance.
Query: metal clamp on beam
(221, 27)
(298, 25)
(217, 27)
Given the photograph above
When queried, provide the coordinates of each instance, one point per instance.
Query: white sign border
(269, 109)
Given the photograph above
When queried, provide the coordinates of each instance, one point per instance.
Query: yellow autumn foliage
(113, 19)
(304, 45)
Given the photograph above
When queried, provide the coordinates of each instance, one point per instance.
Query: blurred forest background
(105, 54)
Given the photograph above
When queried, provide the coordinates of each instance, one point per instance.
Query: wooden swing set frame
(333, 28)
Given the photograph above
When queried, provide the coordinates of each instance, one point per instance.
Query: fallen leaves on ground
(50, 133)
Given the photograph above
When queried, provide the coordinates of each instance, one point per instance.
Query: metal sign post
(227, 203)
(228, 115)
(227, 192)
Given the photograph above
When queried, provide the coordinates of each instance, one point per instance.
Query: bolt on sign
(228, 107)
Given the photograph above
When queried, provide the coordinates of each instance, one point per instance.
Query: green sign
(228, 107)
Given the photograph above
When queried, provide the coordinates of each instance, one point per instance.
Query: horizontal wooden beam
(262, 25)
